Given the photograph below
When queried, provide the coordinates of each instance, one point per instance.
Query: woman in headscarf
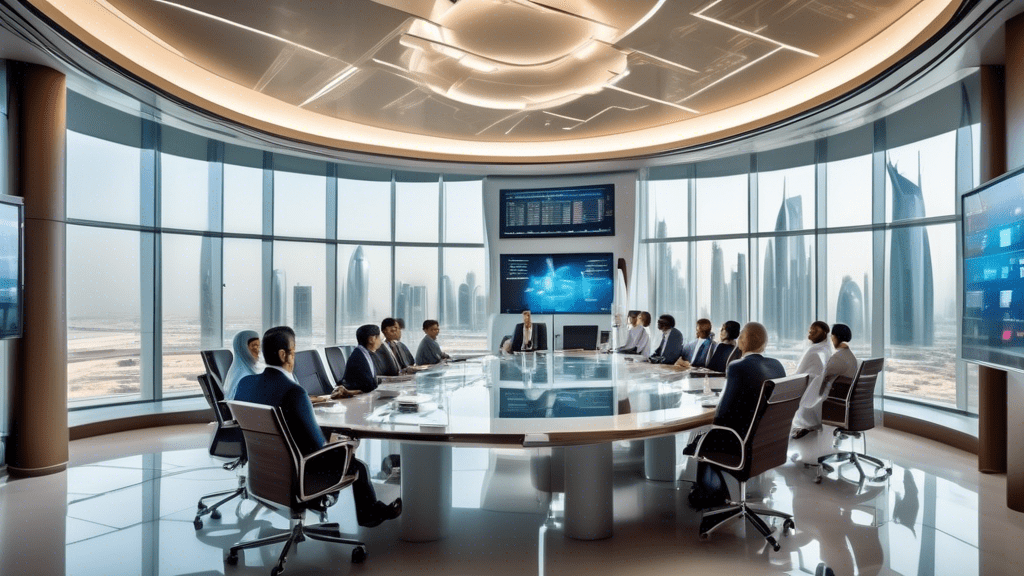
(246, 349)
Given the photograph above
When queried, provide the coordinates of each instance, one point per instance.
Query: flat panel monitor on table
(550, 212)
(557, 283)
(993, 250)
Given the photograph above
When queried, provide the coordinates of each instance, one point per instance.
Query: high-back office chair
(347, 351)
(762, 448)
(284, 480)
(227, 443)
(217, 363)
(336, 359)
(579, 337)
(850, 407)
(309, 372)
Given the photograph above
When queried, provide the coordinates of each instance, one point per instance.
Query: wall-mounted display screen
(557, 283)
(993, 249)
(11, 255)
(547, 212)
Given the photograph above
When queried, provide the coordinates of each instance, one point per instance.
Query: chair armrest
(739, 439)
(344, 449)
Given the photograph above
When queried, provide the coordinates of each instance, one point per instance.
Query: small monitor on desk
(579, 338)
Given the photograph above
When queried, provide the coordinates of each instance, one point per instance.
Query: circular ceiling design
(503, 80)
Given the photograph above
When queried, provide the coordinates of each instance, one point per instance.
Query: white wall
(621, 246)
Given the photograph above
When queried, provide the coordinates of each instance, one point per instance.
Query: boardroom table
(577, 400)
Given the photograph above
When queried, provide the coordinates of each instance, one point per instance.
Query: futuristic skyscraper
(787, 280)
(302, 317)
(279, 299)
(209, 304)
(911, 294)
(850, 307)
(357, 287)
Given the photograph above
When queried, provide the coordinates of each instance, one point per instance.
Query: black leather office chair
(310, 373)
(336, 359)
(227, 443)
(347, 351)
(762, 448)
(850, 407)
(217, 363)
(286, 481)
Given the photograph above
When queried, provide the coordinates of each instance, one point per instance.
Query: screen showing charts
(579, 211)
(993, 248)
(556, 283)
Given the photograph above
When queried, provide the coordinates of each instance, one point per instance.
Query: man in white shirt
(813, 364)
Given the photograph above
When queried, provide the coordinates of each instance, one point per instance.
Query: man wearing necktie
(394, 357)
(671, 347)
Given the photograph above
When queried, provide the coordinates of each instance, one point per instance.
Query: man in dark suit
(697, 352)
(394, 356)
(361, 370)
(671, 347)
(529, 336)
(276, 386)
(743, 380)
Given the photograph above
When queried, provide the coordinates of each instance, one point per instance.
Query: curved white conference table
(580, 401)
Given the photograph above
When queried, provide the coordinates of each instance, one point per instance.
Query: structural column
(39, 426)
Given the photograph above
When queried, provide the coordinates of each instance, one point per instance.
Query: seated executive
(743, 381)
(360, 370)
(813, 364)
(724, 352)
(697, 352)
(841, 369)
(245, 347)
(429, 351)
(529, 336)
(393, 356)
(671, 346)
(277, 387)
(638, 341)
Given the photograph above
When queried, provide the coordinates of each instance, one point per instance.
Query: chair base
(202, 509)
(715, 518)
(325, 532)
(831, 462)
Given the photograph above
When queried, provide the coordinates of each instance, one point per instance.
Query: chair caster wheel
(817, 480)
(358, 555)
(200, 508)
(788, 525)
(704, 536)
(277, 570)
(774, 544)
(197, 523)
(232, 559)
(215, 514)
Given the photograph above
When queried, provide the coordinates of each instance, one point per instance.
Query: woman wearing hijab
(246, 349)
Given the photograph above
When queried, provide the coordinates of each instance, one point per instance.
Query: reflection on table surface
(542, 398)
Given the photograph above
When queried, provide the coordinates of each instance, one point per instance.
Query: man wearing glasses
(276, 386)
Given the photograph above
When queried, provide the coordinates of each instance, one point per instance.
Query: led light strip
(700, 14)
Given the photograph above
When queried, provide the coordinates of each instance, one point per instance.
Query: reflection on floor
(126, 507)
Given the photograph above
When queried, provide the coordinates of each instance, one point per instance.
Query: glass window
(104, 333)
(849, 191)
(103, 180)
(722, 205)
(786, 291)
(416, 211)
(849, 264)
(364, 288)
(463, 307)
(243, 287)
(921, 313)
(785, 199)
(189, 308)
(300, 205)
(926, 172)
(243, 199)
(722, 285)
(668, 208)
(415, 285)
(364, 210)
(669, 273)
(464, 211)
(300, 290)
(184, 193)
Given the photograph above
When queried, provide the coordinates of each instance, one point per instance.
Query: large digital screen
(547, 212)
(557, 283)
(11, 219)
(993, 249)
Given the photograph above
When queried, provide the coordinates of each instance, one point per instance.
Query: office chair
(217, 363)
(227, 443)
(310, 373)
(281, 478)
(336, 360)
(347, 351)
(850, 407)
(762, 448)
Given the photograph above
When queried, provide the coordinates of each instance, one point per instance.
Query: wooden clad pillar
(39, 423)
(1015, 92)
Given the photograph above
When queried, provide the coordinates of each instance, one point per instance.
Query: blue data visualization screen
(557, 283)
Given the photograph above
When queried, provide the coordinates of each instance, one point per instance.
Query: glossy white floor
(127, 502)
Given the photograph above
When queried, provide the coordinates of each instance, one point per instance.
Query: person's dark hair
(365, 332)
(732, 329)
(388, 323)
(401, 323)
(669, 321)
(842, 332)
(428, 323)
(704, 325)
(645, 318)
(274, 340)
(821, 326)
(249, 341)
(633, 314)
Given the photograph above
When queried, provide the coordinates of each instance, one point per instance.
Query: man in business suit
(671, 347)
(698, 352)
(361, 370)
(429, 351)
(395, 357)
(276, 386)
(529, 336)
(743, 380)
